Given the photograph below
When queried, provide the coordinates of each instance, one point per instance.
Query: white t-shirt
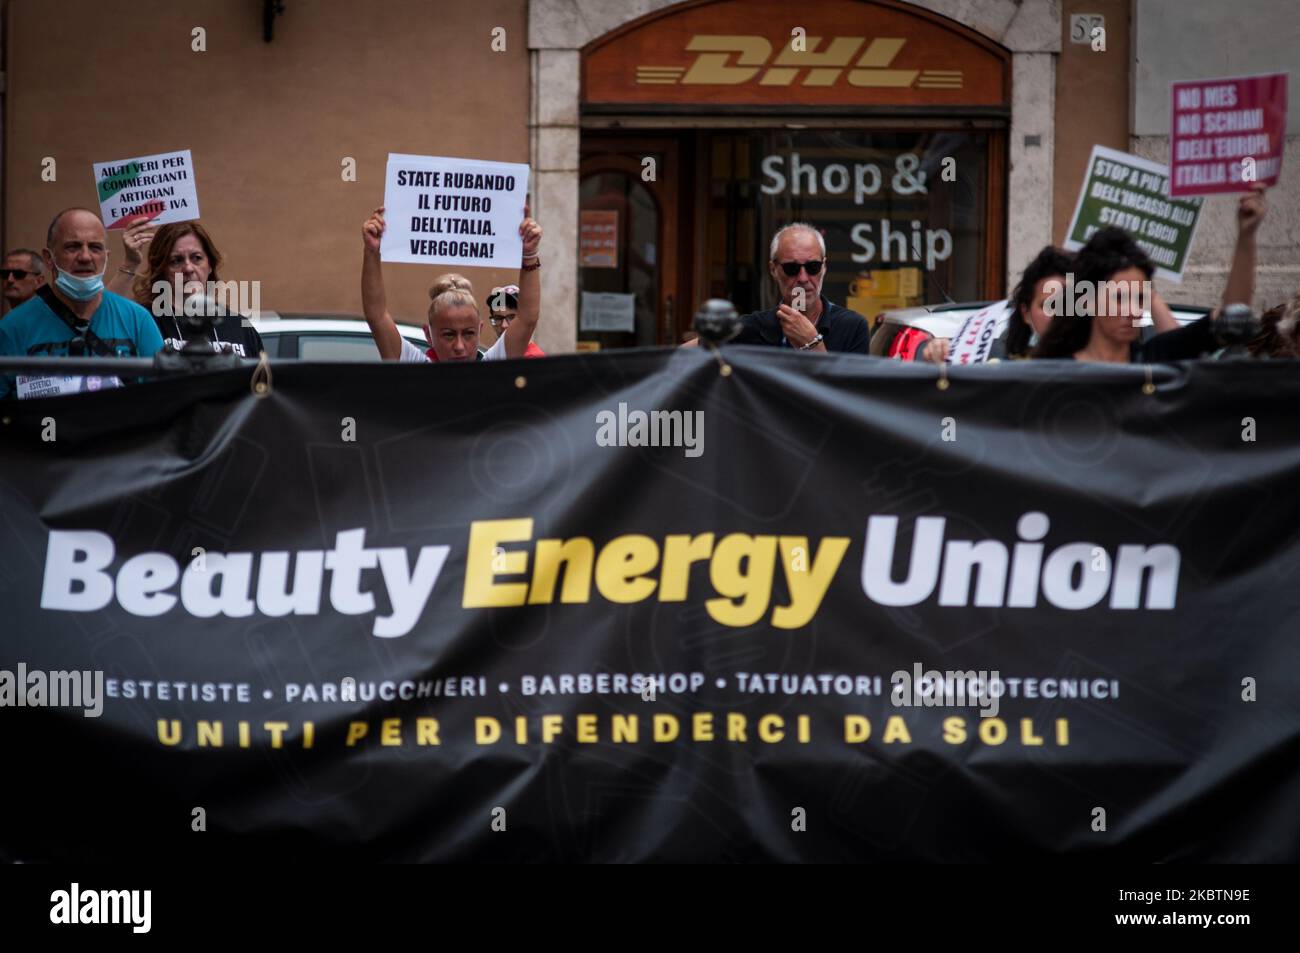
(412, 354)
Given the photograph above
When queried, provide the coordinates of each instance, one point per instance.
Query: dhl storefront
(707, 125)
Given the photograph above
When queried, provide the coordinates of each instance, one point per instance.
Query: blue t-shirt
(33, 330)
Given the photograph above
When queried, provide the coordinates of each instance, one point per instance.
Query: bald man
(73, 314)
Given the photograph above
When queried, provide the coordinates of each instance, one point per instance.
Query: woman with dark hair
(1043, 278)
(183, 258)
(1029, 319)
(1113, 275)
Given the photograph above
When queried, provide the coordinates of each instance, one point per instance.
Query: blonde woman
(454, 323)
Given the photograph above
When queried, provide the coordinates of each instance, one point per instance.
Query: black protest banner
(621, 607)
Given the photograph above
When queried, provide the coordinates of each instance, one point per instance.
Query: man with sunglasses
(804, 320)
(74, 316)
(21, 275)
(503, 307)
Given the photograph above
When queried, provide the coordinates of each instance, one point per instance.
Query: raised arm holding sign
(454, 322)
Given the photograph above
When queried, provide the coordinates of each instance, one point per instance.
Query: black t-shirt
(1181, 344)
(842, 329)
(241, 337)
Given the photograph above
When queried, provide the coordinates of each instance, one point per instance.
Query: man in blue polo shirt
(798, 266)
(73, 315)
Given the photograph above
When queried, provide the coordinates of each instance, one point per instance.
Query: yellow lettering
(576, 555)
(426, 731)
(680, 552)
(993, 731)
(486, 730)
(169, 732)
(753, 586)
(711, 65)
(735, 726)
(587, 729)
(356, 731)
(880, 53)
(771, 728)
(621, 563)
(625, 728)
(666, 728)
(485, 539)
(896, 730)
(210, 733)
(807, 589)
(954, 730)
(857, 728)
(702, 726)
(552, 725)
(390, 732)
(1027, 736)
(277, 730)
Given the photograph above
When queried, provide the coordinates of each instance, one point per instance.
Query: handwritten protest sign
(1227, 135)
(974, 342)
(453, 211)
(1132, 193)
(159, 188)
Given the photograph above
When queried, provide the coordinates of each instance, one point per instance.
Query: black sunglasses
(791, 268)
(17, 273)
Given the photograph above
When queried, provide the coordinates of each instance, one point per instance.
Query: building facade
(938, 143)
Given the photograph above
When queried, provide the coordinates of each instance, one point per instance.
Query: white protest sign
(33, 386)
(453, 211)
(974, 341)
(159, 188)
(603, 311)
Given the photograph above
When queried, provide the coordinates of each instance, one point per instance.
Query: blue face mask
(79, 289)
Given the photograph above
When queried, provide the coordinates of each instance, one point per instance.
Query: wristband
(533, 267)
(811, 344)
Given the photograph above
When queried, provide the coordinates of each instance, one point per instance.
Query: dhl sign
(753, 61)
(831, 52)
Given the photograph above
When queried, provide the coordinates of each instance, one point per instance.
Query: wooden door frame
(608, 151)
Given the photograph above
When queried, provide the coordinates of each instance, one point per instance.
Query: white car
(902, 333)
(327, 337)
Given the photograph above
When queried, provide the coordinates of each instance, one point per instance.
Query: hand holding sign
(135, 239)
(530, 233)
(936, 350)
(1251, 210)
(372, 232)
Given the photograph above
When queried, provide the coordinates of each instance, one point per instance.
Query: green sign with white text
(1132, 193)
